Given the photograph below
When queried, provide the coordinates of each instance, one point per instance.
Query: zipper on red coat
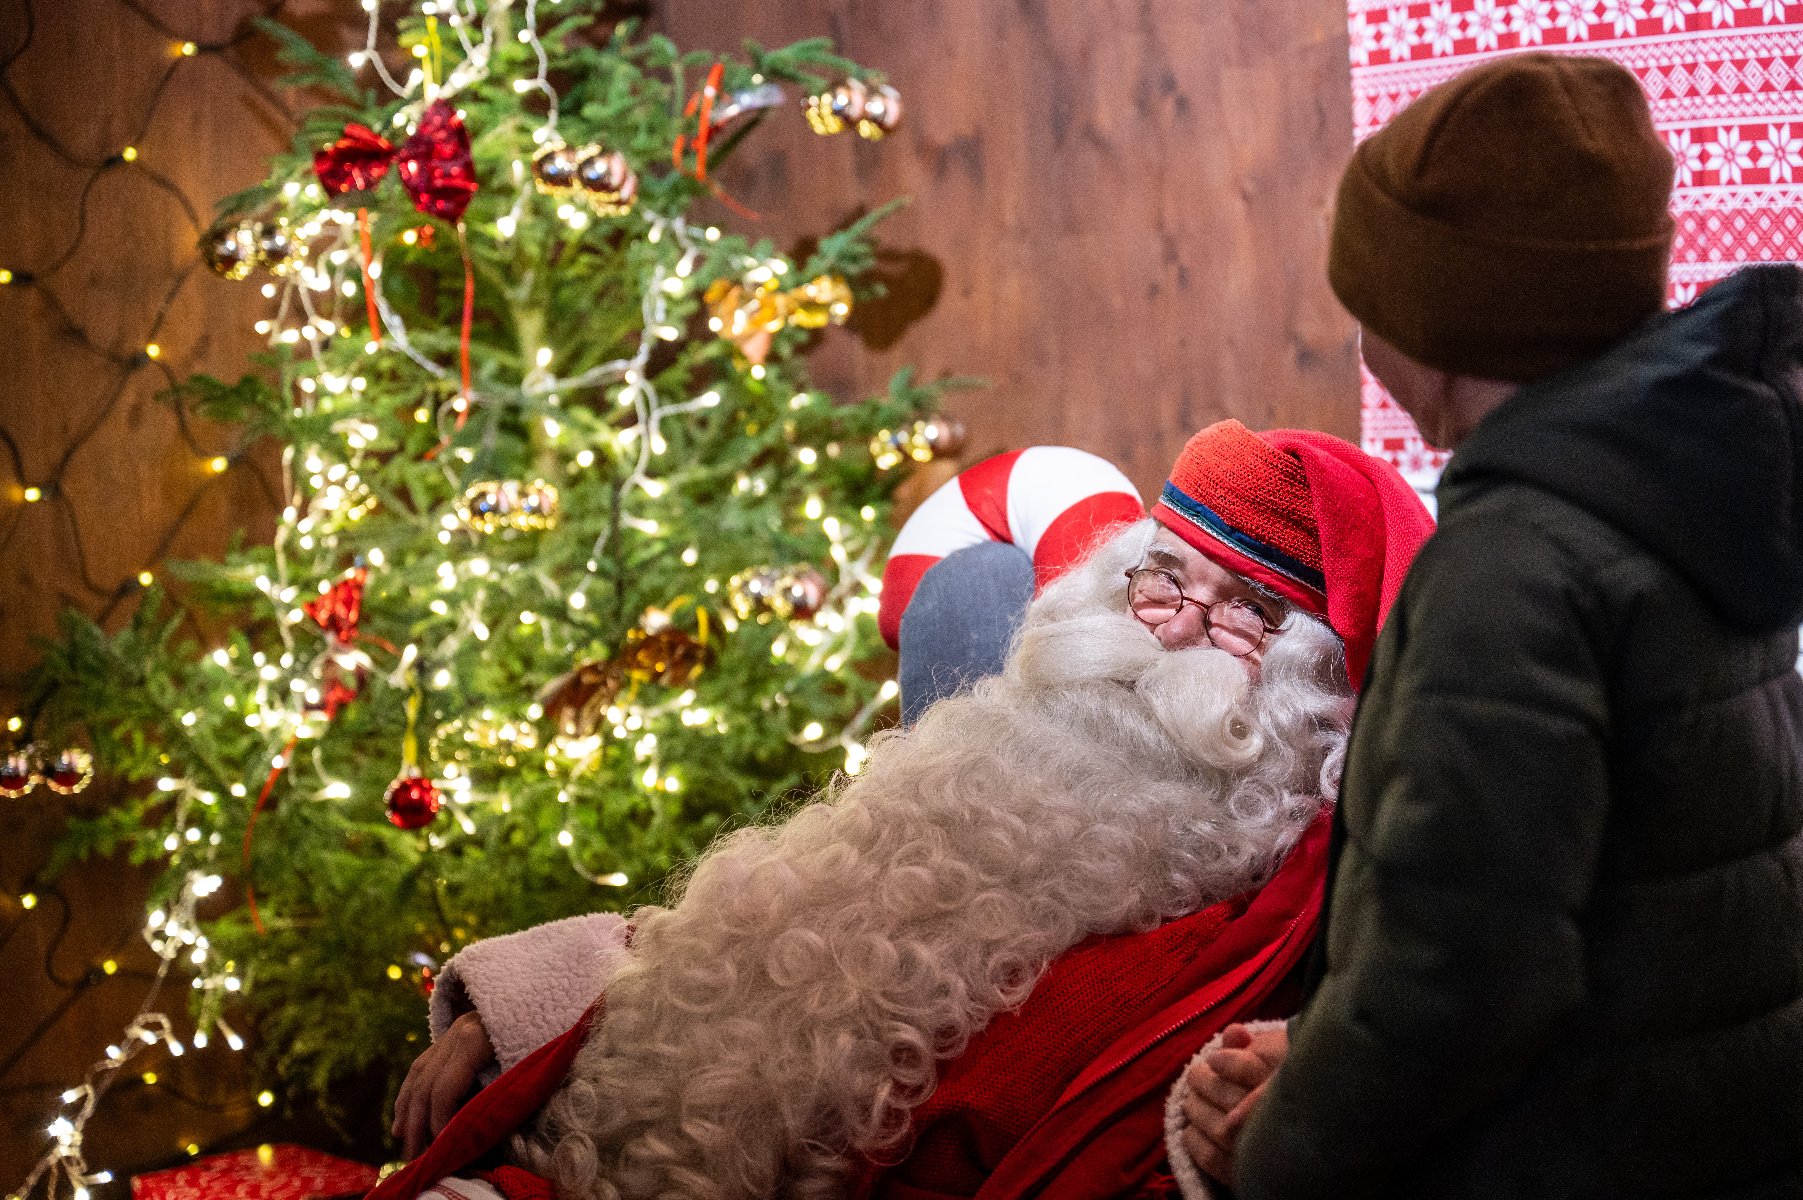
(1153, 1041)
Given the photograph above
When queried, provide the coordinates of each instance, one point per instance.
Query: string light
(168, 933)
(307, 319)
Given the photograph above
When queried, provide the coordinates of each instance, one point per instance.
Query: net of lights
(172, 934)
(173, 938)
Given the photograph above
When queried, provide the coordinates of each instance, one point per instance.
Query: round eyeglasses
(1235, 626)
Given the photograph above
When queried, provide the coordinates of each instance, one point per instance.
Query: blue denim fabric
(958, 626)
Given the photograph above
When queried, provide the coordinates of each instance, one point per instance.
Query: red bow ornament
(337, 693)
(435, 164)
(340, 608)
(338, 611)
(355, 162)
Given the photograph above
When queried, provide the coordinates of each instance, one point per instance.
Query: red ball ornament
(412, 800)
(69, 771)
(18, 773)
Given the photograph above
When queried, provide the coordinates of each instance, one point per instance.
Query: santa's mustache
(1093, 662)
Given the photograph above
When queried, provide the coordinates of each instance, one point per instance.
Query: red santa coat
(1063, 1097)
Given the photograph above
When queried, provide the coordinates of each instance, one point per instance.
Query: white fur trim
(530, 986)
(462, 1189)
(1190, 1180)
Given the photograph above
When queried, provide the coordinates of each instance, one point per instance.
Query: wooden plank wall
(1120, 205)
(1118, 219)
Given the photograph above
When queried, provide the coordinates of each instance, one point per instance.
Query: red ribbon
(338, 612)
(436, 169)
(435, 164)
(701, 105)
(469, 312)
(463, 345)
(250, 829)
(439, 173)
(337, 692)
(704, 101)
(369, 282)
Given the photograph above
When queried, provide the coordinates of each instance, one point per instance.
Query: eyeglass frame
(1208, 623)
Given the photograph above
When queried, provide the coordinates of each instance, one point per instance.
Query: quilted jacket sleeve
(1474, 805)
(532, 985)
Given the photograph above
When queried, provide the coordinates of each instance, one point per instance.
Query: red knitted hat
(1313, 518)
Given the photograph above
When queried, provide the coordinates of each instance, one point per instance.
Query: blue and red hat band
(1211, 523)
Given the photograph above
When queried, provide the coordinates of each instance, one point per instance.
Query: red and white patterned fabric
(464, 1189)
(1051, 501)
(267, 1173)
(1725, 80)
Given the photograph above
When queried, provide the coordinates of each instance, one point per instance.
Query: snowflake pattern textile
(1725, 80)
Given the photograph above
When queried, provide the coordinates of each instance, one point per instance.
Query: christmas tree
(575, 568)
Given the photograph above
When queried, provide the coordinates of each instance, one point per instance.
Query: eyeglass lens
(1232, 625)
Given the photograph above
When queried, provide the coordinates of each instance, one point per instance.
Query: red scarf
(1063, 1097)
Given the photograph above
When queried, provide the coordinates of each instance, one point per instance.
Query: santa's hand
(439, 1081)
(1223, 1090)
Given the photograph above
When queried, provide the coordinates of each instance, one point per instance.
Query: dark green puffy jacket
(1564, 947)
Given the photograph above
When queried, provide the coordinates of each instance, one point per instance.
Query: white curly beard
(789, 1010)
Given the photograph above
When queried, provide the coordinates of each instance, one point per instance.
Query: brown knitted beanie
(1511, 222)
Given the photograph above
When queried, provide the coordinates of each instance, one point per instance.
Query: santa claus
(975, 968)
